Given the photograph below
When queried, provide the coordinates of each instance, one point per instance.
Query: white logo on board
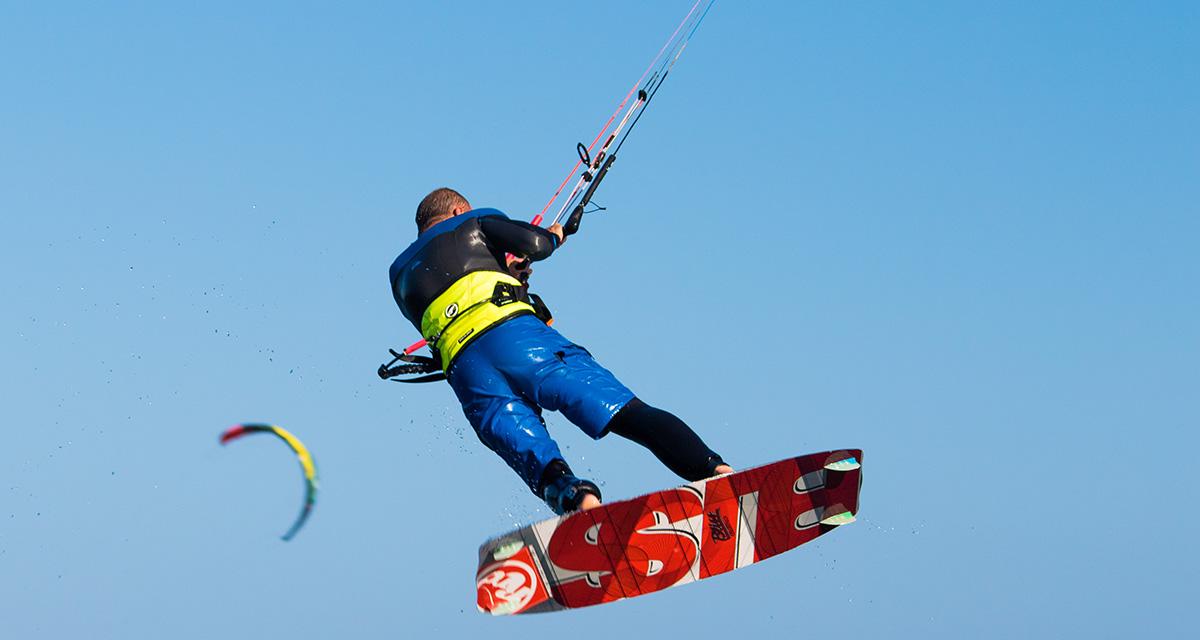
(506, 587)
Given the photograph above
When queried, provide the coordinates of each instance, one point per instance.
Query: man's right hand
(557, 230)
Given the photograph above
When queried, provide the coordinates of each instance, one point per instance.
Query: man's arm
(521, 238)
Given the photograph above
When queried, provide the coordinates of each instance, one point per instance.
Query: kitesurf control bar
(414, 365)
(597, 168)
(537, 220)
(576, 216)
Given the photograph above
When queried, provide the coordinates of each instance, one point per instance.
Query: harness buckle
(507, 293)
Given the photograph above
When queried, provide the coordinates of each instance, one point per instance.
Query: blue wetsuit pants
(506, 376)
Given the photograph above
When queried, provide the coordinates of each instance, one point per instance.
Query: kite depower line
(646, 87)
(595, 163)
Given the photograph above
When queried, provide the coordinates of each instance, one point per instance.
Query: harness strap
(504, 293)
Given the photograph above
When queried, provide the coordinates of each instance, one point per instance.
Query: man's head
(438, 205)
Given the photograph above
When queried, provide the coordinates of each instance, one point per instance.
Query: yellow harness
(472, 305)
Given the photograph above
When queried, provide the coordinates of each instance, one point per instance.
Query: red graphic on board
(626, 548)
(719, 558)
(780, 505)
(663, 539)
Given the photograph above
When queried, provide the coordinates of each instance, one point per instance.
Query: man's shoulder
(445, 226)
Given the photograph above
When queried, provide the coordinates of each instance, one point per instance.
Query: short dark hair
(437, 205)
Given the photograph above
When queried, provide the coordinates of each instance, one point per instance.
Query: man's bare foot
(723, 469)
(589, 502)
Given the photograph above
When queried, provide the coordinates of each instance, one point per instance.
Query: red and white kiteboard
(665, 539)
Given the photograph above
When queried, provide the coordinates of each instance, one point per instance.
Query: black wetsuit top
(473, 241)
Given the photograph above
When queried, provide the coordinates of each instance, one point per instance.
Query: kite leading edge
(307, 465)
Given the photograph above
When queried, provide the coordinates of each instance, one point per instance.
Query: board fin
(842, 461)
(505, 608)
(839, 519)
(507, 550)
(837, 515)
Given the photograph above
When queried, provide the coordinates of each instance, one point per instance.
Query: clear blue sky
(961, 236)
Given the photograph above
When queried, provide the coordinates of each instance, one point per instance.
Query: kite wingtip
(232, 432)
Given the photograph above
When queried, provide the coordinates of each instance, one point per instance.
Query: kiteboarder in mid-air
(464, 285)
(461, 284)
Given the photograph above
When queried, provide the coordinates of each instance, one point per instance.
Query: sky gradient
(960, 236)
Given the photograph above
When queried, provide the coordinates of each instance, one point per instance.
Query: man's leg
(558, 375)
(513, 428)
(516, 432)
(591, 397)
(669, 439)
